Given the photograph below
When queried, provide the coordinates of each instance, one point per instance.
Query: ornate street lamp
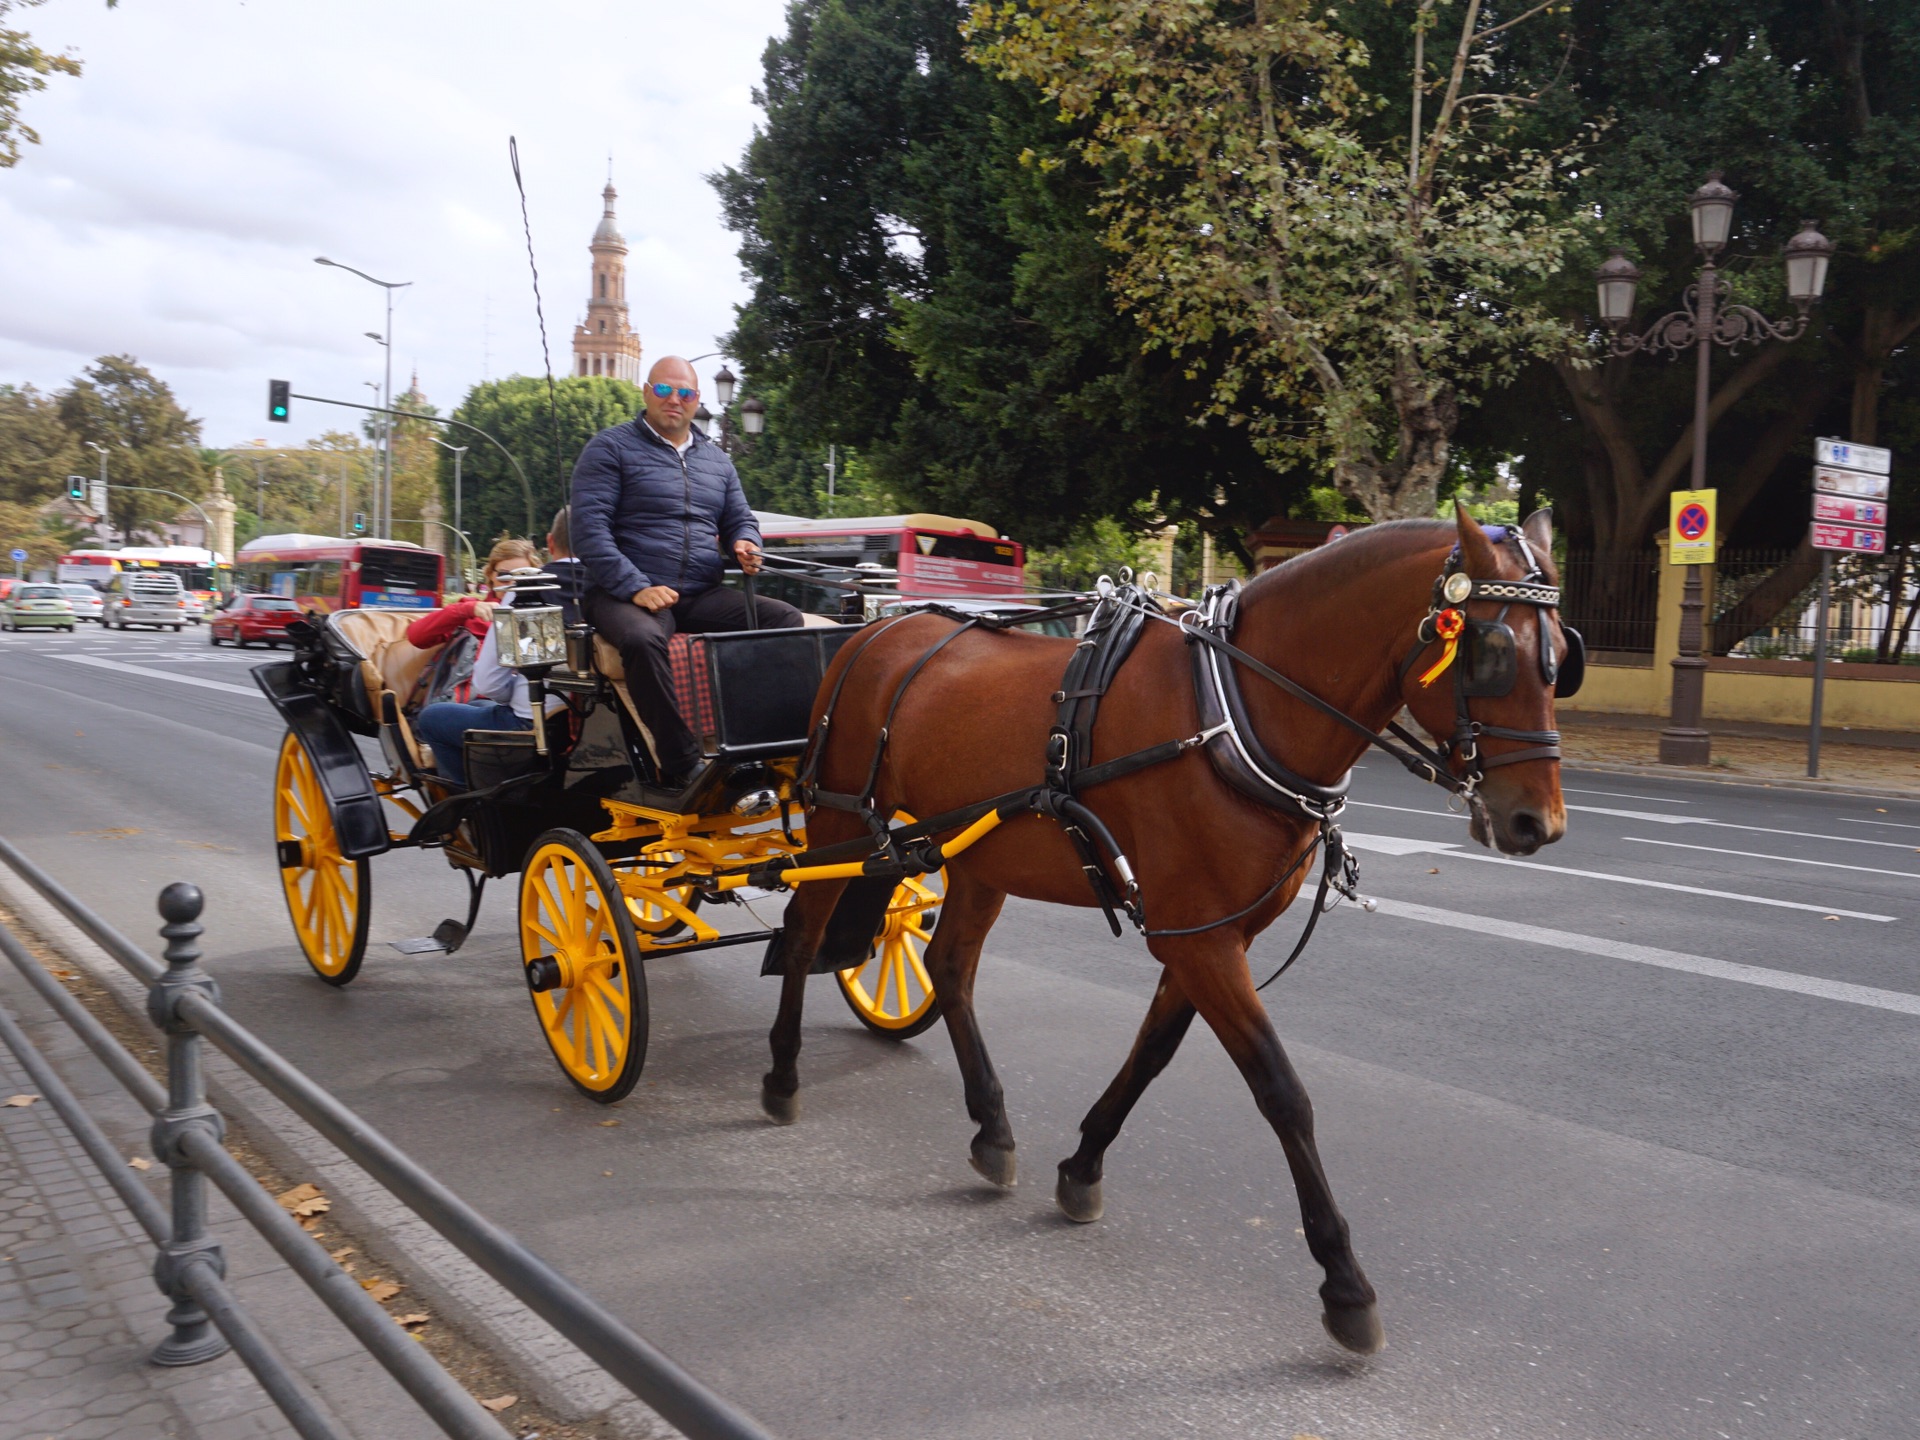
(753, 415)
(1702, 322)
(723, 384)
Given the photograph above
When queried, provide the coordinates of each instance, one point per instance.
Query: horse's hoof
(994, 1162)
(1357, 1329)
(781, 1109)
(1081, 1203)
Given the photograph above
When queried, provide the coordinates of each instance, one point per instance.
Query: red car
(253, 617)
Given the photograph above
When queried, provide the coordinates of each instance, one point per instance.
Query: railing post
(194, 1338)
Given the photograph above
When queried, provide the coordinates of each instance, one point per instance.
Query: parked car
(253, 617)
(86, 601)
(145, 597)
(35, 606)
(196, 607)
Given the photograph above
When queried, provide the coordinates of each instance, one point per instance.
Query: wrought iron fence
(1766, 606)
(1612, 600)
(205, 1319)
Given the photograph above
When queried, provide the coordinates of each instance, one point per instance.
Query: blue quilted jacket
(644, 515)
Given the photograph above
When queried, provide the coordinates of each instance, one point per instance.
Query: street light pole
(106, 516)
(1702, 322)
(383, 508)
(459, 454)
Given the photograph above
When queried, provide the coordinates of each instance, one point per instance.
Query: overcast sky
(212, 148)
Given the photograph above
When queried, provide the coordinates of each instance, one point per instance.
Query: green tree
(24, 68)
(37, 451)
(44, 537)
(1367, 282)
(515, 412)
(930, 304)
(150, 440)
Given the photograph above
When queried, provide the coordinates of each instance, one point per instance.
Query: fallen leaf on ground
(500, 1402)
(418, 1318)
(140, 1162)
(607, 1173)
(341, 1254)
(67, 974)
(1434, 871)
(605, 1123)
(304, 1201)
(382, 1290)
(310, 1225)
(20, 1102)
(1829, 917)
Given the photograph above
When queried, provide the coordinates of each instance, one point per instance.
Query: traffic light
(279, 394)
(359, 522)
(76, 487)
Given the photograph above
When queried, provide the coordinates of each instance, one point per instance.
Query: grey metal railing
(184, 1001)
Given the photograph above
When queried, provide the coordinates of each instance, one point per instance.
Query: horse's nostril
(1527, 829)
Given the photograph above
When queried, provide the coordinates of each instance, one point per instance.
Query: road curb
(562, 1377)
(1756, 782)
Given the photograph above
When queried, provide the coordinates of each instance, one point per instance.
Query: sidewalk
(79, 1312)
(1873, 761)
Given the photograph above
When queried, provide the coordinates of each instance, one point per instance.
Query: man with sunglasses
(657, 515)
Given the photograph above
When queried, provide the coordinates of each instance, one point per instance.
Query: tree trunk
(1408, 485)
(1768, 598)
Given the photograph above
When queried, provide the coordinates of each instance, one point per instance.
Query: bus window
(320, 579)
(967, 547)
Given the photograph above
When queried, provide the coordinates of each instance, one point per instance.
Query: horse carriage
(1178, 764)
(611, 869)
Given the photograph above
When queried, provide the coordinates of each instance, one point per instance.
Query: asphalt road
(1625, 1133)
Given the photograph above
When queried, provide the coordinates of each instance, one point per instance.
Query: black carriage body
(762, 684)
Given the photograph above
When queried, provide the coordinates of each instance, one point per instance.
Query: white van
(145, 597)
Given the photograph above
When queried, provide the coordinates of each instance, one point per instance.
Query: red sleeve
(437, 628)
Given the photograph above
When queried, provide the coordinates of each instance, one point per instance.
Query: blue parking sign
(19, 554)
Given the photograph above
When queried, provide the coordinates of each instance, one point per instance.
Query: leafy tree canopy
(515, 412)
(150, 440)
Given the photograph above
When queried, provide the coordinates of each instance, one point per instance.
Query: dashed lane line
(146, 717)
(1730, 825)
(1783, 859)
(1400, 845)
(1896, 1000)
(142, 670)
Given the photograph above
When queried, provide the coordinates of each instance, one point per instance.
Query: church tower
(605, 344)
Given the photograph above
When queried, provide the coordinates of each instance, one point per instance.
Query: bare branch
(1492, 30)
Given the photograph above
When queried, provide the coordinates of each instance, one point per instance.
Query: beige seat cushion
(381, 638)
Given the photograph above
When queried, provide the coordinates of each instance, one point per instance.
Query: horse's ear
(1475, 548)
(1538, 528)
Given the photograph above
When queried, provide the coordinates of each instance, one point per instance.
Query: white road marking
(1399, 845)
(1409, 810)
(147, 717)
(1783, 859)
(1729, 825)
(165, 675)
(1895, 1000)
(1890, 824)
(1622, 795)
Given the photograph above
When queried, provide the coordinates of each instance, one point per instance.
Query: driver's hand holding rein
(656, 508)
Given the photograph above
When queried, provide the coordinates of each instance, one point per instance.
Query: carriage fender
(851, 930)
(344, 779)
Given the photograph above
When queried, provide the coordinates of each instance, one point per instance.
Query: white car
(87, 604)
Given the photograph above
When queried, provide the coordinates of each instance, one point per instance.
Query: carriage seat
(389, 663)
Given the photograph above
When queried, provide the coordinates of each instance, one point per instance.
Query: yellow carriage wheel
(652, 919)
(329, 897)
(891, 992)
(578, 946)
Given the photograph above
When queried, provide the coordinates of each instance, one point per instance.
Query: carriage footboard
(355, 806)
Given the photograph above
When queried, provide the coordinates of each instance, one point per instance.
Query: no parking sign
(1692, 529)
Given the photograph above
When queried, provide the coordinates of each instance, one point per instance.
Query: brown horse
(1341, 622)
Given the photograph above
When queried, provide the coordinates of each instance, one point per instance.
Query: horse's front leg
(802, 928)
(1212, 969)
(1160, 1035)
(953, 956)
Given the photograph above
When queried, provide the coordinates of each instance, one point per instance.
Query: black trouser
(641, 637)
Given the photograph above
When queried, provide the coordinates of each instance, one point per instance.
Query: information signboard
(1840, 510)
(1691, 528)
(1849, 456)
(1829, 480)
(1849, 537)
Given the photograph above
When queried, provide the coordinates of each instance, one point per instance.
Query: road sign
(1849, 456)
(19, 554)
(1831, 481)
(1854, 538)
(1690, 533)
(1840, 510)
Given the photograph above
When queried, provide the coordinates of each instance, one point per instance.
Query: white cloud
(213, 148)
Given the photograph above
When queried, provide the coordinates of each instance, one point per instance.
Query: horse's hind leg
(1213, 972)
(802, 928)
(953, 956)
(1160, 1035)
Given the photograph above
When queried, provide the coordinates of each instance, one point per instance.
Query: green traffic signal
(279, 396)
(76, 487)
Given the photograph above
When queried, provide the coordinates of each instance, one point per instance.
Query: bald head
(672, 414)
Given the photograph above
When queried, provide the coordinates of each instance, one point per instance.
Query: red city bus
(937, 556)
(323, 573)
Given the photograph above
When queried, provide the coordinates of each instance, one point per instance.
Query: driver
(656, 510)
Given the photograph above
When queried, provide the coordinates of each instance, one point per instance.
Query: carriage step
(448, 936)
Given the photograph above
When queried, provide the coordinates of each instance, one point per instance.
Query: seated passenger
(500, 702)
(459, 627)
(657, 509)
(565, 567)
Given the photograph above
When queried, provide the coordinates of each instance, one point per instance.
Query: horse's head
(1484, 680)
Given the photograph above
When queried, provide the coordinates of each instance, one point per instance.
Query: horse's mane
(1366, 548)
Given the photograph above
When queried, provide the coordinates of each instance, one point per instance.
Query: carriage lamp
(723, 384)
(1807, 255)
(1712, 214)
(529, 637)
(753, 415)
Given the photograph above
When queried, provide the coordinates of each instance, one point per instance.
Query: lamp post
(753, 410)
(105, 518)
(1702, 322)
(383, 509)
(459, 454)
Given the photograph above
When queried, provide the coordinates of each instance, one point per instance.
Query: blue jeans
(444, 726)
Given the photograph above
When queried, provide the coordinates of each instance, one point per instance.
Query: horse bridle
(1484, 657)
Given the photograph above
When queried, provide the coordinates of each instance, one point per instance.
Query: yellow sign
(1693, 527)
